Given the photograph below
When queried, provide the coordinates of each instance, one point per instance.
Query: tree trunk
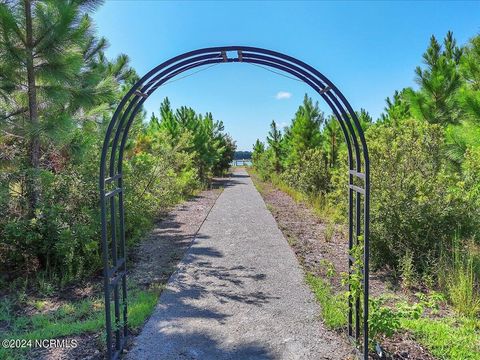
(34, 145)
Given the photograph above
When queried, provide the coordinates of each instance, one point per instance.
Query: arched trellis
(111, 180)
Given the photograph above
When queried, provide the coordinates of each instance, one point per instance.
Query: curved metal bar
(324, 95)
(181, 63)
(324, 79)
(314, 83)
(327, 96)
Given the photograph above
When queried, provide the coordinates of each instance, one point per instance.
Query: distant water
(241, 163)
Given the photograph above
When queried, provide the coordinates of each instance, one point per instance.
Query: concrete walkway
(239, 293)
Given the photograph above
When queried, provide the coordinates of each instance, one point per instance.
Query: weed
(46, 286)
(409, 311)
(328, 267)
(329, 232)
(292, 240)
(460, 282)
(431, 301)
(382, 320)
(447, 338)
(334, 306)
(407, 270)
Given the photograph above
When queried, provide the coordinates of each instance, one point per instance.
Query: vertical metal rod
(366, 253)
(106, 282)
(123, 253)
(358, 231)
(113, 228)
(350, 246)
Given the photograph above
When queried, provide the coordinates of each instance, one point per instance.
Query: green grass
(447, 338)
(74, 318)
(334, 306)
(141, 305)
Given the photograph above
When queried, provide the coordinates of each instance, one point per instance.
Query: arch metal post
(112, 191)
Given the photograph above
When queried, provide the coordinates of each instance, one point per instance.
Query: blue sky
(368, 49)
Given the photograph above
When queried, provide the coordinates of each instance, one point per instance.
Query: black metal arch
(111, 179)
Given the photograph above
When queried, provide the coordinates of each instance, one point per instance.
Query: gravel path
(239, 293)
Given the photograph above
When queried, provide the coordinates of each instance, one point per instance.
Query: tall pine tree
(304, 133)
(274, 140)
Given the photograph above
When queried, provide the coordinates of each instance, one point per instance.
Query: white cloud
(283, 95)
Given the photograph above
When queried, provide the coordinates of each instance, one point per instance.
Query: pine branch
(16, 112)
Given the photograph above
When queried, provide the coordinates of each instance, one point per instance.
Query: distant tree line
(242, 155)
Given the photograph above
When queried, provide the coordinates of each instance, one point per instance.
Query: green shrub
(264, 165)
(412, 208)
(310, 174)
(382, 320)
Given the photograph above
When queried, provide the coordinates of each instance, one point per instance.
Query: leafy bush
(382, 320)
(310, 174)
(412, 208)
(63, 238)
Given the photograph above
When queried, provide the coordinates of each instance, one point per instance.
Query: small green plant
(292, 240)
(461, 285)
(354, 281)
(46, 286)
(431, 301)
(328, 267)
(409, 311)
(334, 306)
(407, 270)
(382, 320)
(329, 232)
(462, 292)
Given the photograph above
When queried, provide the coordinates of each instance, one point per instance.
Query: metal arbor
(112, 195)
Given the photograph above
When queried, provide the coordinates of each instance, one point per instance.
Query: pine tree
(469, 94)
(364, 118)
(168, 120)
(53, 76)
(397, 108)
(258, 150)
(436, 100)
(466, 135)
(304, 133)
(332, 138)
(274, 140)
